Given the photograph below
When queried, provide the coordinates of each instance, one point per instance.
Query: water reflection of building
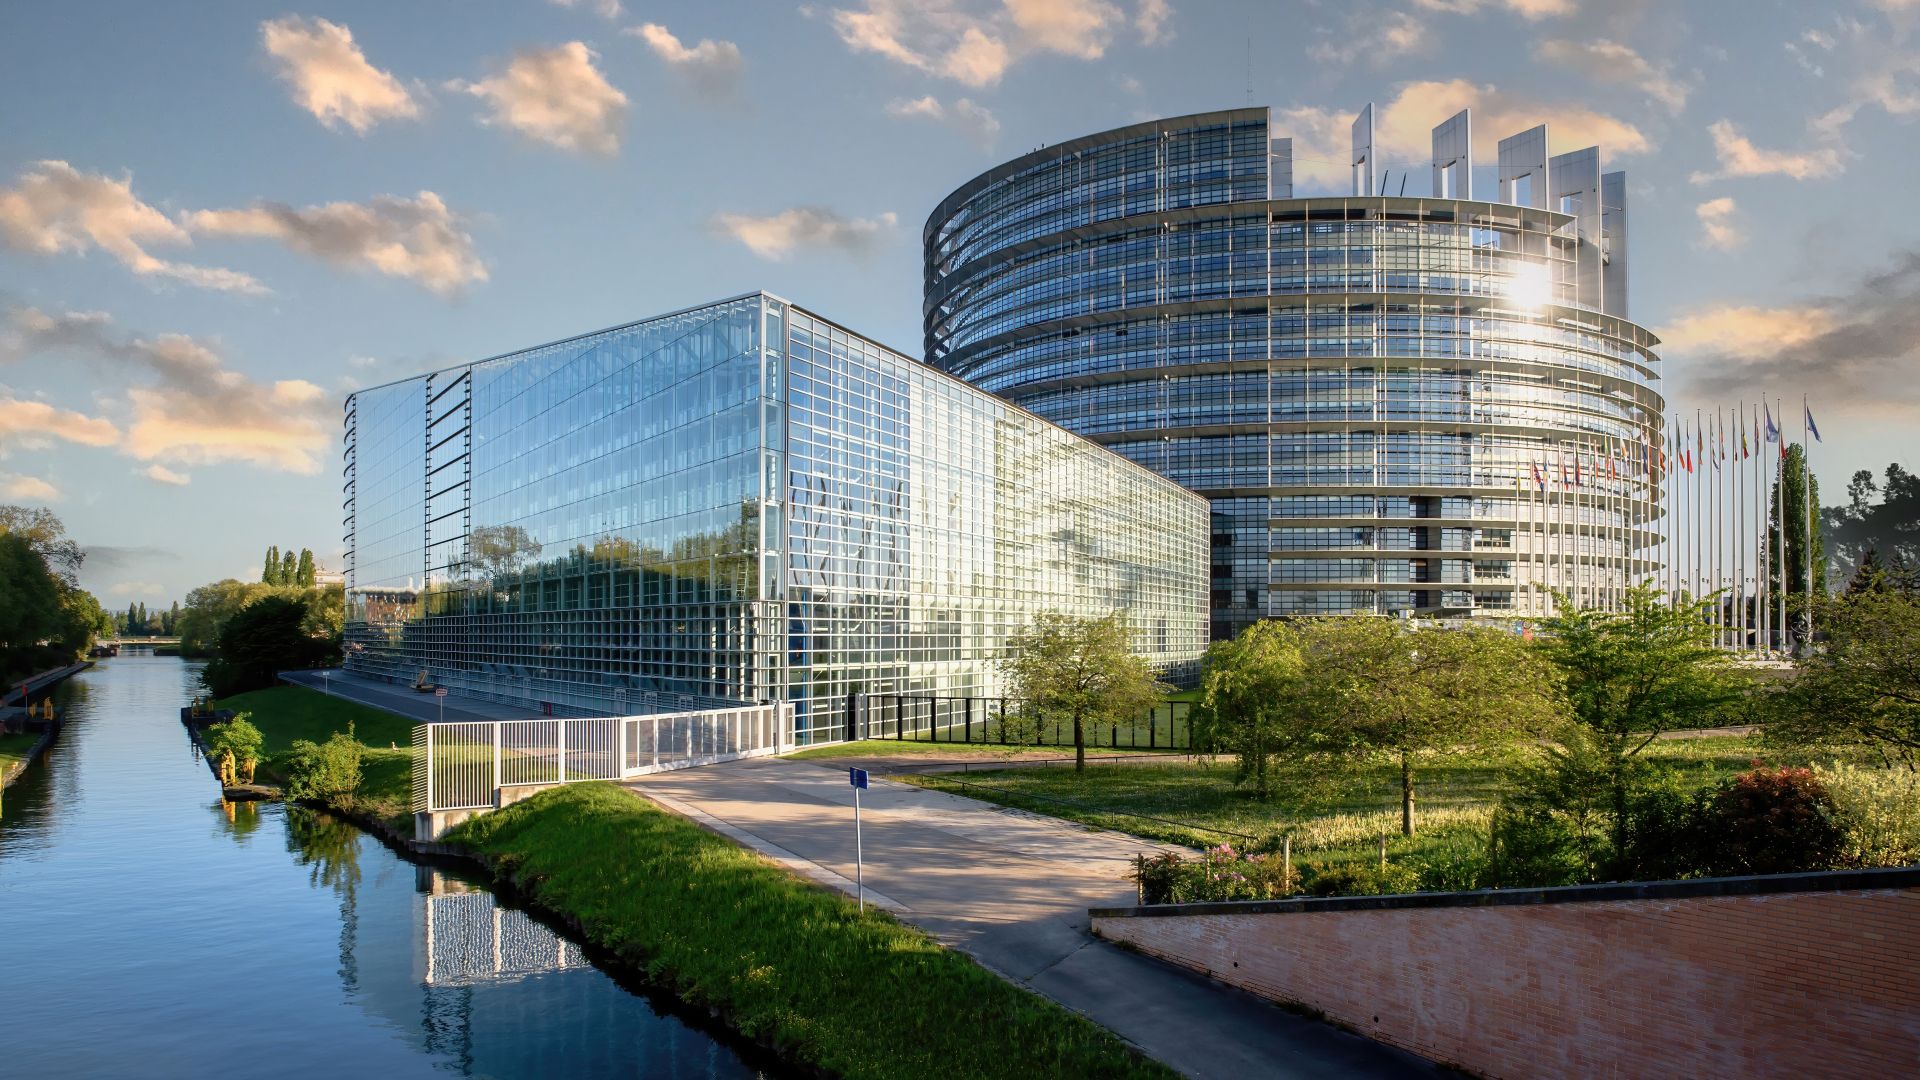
(483, 990)
(468, 937)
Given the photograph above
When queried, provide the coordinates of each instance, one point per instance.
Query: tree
(171, 620)
(1790, 490)
(1258, 701)
(261, 640)
(1863, 689)
(303, 573)
(46, 535)
(82, 622)
(1631, 674)
(270, 573)
(1410, 695)
(235, 746)
(29, 596)
(499, 550)
(289, 568)
(1066, 665)
(207, 610)
(1889, 527)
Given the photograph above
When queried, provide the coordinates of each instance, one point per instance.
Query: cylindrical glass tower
(1396, 404)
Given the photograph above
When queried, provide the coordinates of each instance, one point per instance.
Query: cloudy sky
(216, 219)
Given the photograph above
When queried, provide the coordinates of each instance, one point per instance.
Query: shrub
(236, 745)
(1219, 873)
(324, 771)
(1668, 833)
(1773, 821)
(1455, 865)
(1534, 847)
(1361, 879)
(1880, 811)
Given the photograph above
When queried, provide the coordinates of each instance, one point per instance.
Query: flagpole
(1780, 515)
(1740, 532)
(1806, 485)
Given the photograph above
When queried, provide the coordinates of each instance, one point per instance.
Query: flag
(1773, 430)
(1743, 445)
(1538, 480)
(1577, 481)
(1812, 428)
(1563, 469)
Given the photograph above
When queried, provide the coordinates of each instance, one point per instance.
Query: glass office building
(738, 502)
(1430, 404)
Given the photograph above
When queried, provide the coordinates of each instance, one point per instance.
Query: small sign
(857, 777)
(441, 692)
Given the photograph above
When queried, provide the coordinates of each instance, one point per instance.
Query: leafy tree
(82, 622)
(1792, 487)
(1257, 701)
(46, 535)
(289, 569)
(29, 595)
(1632, 674)
(235, 746)
(261, 640)
(1082, 668)
(1863, 689)
(499, 550)
(1880, 518)
(270, 573)
(207, 610)
(171, 620)
(1411, 695)
(303, 572)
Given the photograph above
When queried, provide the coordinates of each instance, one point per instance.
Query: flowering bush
(1218, 873)
(1773, 821)
(1880, 810)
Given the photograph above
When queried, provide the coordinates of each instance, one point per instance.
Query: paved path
(405, 701)
(1013, 889)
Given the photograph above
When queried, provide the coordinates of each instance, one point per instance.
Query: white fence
(466, 766)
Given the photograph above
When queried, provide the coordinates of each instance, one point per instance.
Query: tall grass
(856, 995)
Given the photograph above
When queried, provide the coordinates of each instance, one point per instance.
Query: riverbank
(786, 964)
(21, 749)
(383, 803)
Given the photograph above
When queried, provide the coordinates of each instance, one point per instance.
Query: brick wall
(1810, 983)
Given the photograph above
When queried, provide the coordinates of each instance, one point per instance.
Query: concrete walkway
(404, 701)
(1012, 889)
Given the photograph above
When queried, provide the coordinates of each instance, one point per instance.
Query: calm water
(148, 929)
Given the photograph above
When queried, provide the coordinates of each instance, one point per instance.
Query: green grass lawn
(287, 713)
(909, 748)
(1199, 804)
(855, 995)
(13, 749)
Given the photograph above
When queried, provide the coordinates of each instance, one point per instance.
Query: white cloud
(16, 486)
(330, 76)
(555, 96)
(1718, 229)
(195, 410)
(1531, 10)
(710, 67)
(966, 116)
(1610, 61)
(160, 474)
(1377, 39)
(776, 236)
(1403, 130)
(418, 239)
(54, 207)
(1150, 17)
(135, 588)
(1744, 329)
(1081, 28)
(974, 42)
(35, 424)
(606, 9)
(1738, 156)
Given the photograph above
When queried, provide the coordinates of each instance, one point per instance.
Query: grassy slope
(1454, 799)
(286, 713)
(13, 749)
(856, 995)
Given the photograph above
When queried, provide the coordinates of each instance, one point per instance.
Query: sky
(218, 219)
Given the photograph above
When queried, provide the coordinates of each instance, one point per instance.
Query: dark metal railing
(945, 718)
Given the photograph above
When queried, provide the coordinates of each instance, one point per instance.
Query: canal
(147, 928)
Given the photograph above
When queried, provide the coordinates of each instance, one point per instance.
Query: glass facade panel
(737, 502)
(1360, 359)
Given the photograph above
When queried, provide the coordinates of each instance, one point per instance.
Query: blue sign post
(858, 778)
